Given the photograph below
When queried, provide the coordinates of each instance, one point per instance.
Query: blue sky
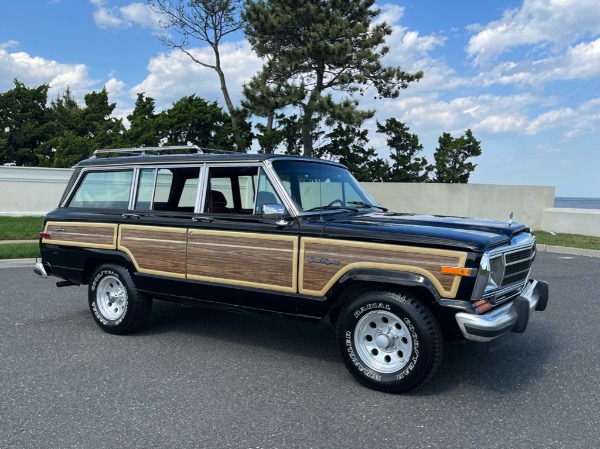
(523, 75)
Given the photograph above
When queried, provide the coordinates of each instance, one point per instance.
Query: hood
(470, 234)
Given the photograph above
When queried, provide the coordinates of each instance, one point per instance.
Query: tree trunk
(233, 112)
(270, 119)
(307, 125)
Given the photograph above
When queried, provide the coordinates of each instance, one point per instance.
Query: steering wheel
(336, 201)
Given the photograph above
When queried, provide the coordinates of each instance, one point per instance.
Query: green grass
(20, 228)
(570, 240)
(19, 250)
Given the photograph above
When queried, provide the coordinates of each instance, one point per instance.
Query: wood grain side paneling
(247, 259)
(155, 250)
(324, 261)
(89, 235)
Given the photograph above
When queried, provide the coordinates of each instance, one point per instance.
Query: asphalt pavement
(198, 378)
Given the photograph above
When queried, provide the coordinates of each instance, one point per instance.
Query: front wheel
(116, 304)
(389, 340)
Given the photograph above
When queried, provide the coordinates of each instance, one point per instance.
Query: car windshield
(320, 186)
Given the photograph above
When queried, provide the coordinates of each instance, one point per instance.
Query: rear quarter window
(103, 190)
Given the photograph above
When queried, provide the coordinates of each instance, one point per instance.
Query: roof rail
(142, 150)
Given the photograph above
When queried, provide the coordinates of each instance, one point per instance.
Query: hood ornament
(510, 219)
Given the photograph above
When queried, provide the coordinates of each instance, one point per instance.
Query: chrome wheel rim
(383, 342)
(111, 298)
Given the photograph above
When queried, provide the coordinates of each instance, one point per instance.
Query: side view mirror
(274, 212)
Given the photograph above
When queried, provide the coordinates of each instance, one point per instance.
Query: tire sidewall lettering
(94, 285)
(356, 361)
(100, 275)
(372, 306)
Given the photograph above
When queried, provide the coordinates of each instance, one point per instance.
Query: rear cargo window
(104, 189)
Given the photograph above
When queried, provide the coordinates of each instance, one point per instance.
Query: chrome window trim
(133, 190)
(200, 193)
(288, 202)
(220, 164)
(86, 170)
(135, 168)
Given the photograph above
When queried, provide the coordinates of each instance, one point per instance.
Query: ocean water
(577, 203)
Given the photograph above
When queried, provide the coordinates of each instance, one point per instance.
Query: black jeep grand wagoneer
(294, 236)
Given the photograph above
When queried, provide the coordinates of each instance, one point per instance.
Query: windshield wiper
(363, 204)
(340, 208)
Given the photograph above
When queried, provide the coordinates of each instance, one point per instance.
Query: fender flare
(402, 278)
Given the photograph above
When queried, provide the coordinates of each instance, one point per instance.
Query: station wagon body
(293, 236)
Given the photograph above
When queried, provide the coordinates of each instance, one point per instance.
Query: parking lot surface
(199, 378)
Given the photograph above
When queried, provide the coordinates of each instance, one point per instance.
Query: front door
(231, 246)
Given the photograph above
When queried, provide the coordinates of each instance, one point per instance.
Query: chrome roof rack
(143, 150)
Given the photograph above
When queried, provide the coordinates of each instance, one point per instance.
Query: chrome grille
(517, 268)
(518, 265)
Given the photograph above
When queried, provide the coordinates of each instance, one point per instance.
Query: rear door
(154, 232)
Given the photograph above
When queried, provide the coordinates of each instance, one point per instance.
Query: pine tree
(451, 156)
(323, 46)
(405, 147)
(348, 145)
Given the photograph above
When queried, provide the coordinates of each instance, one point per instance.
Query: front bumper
(511, 317)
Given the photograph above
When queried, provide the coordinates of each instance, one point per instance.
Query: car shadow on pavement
(506, 369)
(270, 331)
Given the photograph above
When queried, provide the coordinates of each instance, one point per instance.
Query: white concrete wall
(36, 191)
(31, 190)
(571, 221)
(466, 200)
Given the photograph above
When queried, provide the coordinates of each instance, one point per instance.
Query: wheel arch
(357, 281)
(110, 257)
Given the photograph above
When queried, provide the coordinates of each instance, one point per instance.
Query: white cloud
(411, 51)
(492, 116)
(390, 13)
(558, 23)
(140, 14)
(577, 63)
(174, 75)
(8, 44)
(551, 119)
(125, 16)
(106, 17)
(35, 71)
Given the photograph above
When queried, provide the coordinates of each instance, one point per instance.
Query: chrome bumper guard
(40, 270)
(511, 317)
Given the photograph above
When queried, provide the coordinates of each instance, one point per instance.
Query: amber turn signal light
(456, 271)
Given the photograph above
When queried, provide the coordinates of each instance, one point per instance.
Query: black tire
(116, 304)
(389, 340)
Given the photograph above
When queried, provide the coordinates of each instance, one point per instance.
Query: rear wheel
(116, 304)
(389, 340)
